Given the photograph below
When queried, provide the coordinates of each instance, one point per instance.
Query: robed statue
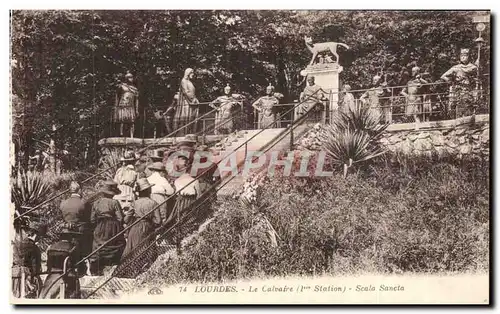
(312, 97)
(187, 109)
(226, 106)
(266, 108)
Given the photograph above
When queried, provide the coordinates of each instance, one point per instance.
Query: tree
(66, 64)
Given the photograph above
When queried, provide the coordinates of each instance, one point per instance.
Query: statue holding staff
(126, 108)
(462, 76)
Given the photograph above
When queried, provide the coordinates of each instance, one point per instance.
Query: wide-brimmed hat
(128, 156)
(157, 155)
(143, 184)
(110, 187)
(33, 225)
(69, 232)
(74, 187)
(158, 166)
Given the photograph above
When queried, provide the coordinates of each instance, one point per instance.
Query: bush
(392, 216)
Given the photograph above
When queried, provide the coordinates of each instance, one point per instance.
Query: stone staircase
(233, 145)
(278, 138)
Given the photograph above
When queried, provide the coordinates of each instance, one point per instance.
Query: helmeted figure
(373, 98)
(266, 107)
(187, 109)
(414, 95)
(126, 108)
(312, 96)
(225, 106)
(462, 76)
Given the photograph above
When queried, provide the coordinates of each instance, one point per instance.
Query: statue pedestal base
(326, 76)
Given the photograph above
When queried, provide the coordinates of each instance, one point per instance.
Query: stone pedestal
(327, 77)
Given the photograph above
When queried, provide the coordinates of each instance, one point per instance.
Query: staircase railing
(177, 227)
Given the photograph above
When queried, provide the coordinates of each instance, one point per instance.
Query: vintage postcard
(250, 157)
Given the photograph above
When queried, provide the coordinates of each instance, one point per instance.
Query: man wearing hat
(141, 234)
(462, 76)
(141, 166)
(125, 178)
(62, 257)
(107, 217)
(27, 259)
(161, 189)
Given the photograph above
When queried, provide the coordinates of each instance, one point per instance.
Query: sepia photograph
(250, 156)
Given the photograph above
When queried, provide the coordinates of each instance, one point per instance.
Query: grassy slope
(403, 216)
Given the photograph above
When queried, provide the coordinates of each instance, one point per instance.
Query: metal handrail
(171, 196)
(191, 211)
(111, 167)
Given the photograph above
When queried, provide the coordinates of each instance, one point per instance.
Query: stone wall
(464, 136)
(461, 140)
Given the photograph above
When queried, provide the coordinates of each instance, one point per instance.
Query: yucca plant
(30, 189)
(111, 161)
(353, 137)
(358, 117)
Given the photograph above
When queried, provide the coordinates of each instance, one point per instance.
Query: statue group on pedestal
(417, 95)
(184, 110)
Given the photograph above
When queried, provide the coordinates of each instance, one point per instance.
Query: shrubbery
(397, 215)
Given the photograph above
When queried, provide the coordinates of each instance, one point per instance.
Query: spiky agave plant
(358, 117)
(111, 161)
(30, 189)
(353, 137)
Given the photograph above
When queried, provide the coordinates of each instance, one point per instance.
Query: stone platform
(121, 142)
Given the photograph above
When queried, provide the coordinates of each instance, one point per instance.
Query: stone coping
(442, 124)
(169, 141)
(154, 142)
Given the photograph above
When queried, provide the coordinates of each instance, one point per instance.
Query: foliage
(29, 189)
(109, 161)
(66, 64)
(353, 136)
(392, 217)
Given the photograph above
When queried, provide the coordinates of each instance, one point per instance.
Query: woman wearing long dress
(413, 94)
(108, 220)
(141, 234)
